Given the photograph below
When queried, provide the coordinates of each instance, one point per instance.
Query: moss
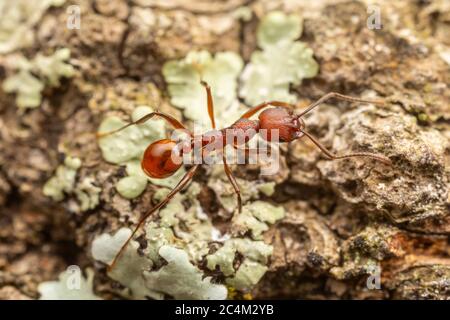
(33, 76)
(282, 61)
(221, 72)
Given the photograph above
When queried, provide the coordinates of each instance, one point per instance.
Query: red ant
(158, 161)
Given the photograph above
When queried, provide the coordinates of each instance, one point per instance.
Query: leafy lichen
(248, 274)
(221, 72)
(128, 270)
(224, 191)
(282, 61)
(64, 182)
(32, 76)
(256, 216)
(64, 179)
(127, 147)
(17, 19)
(180, 279)
(256, 251)
(88, 194)
(178, 241)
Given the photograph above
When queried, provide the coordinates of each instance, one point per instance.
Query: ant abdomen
(161, 159)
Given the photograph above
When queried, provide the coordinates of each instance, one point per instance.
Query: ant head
(289, 126)
(162, 159)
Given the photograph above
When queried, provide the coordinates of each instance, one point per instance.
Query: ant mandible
(157, 161)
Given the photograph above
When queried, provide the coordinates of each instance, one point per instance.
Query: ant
(158, 160)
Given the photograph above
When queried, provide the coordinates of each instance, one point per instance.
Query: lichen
(70, 286)
(88, 194)
(33, 76)
(248, 274)
(281, 63)
(224, 191)
(256, 217)
(187, 230)
(128, 269)
(64, 183)
(256, 252)
(221, 72)
(177, 242)
(127, 147)
(17, 19)
(182, 280)
(64, 179)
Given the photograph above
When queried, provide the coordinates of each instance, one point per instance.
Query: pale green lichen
(282, 61)
(17, 19)
(88, 194)
(64, 179)
(256, 216)
(64, 182)
(52, 68)
(127, 147)
(226, 195)
(128, 269)
(221, 72)
(255, 255)
(248, 274)
(177, 242)
(256, 251)
(27, 87)
(32, 77)
(180, 279)
(70, 286)
(243, 13)
(186, 229)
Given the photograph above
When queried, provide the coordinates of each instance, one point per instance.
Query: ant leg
(210, 103)
(263, 105)
(183, 182)
(337, 96)
(171, 120)
(232, 181)
(332, 156)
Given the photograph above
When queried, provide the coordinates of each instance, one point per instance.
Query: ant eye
(162, 159)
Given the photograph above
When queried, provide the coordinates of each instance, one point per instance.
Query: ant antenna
(332, 156)
(337, 96)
